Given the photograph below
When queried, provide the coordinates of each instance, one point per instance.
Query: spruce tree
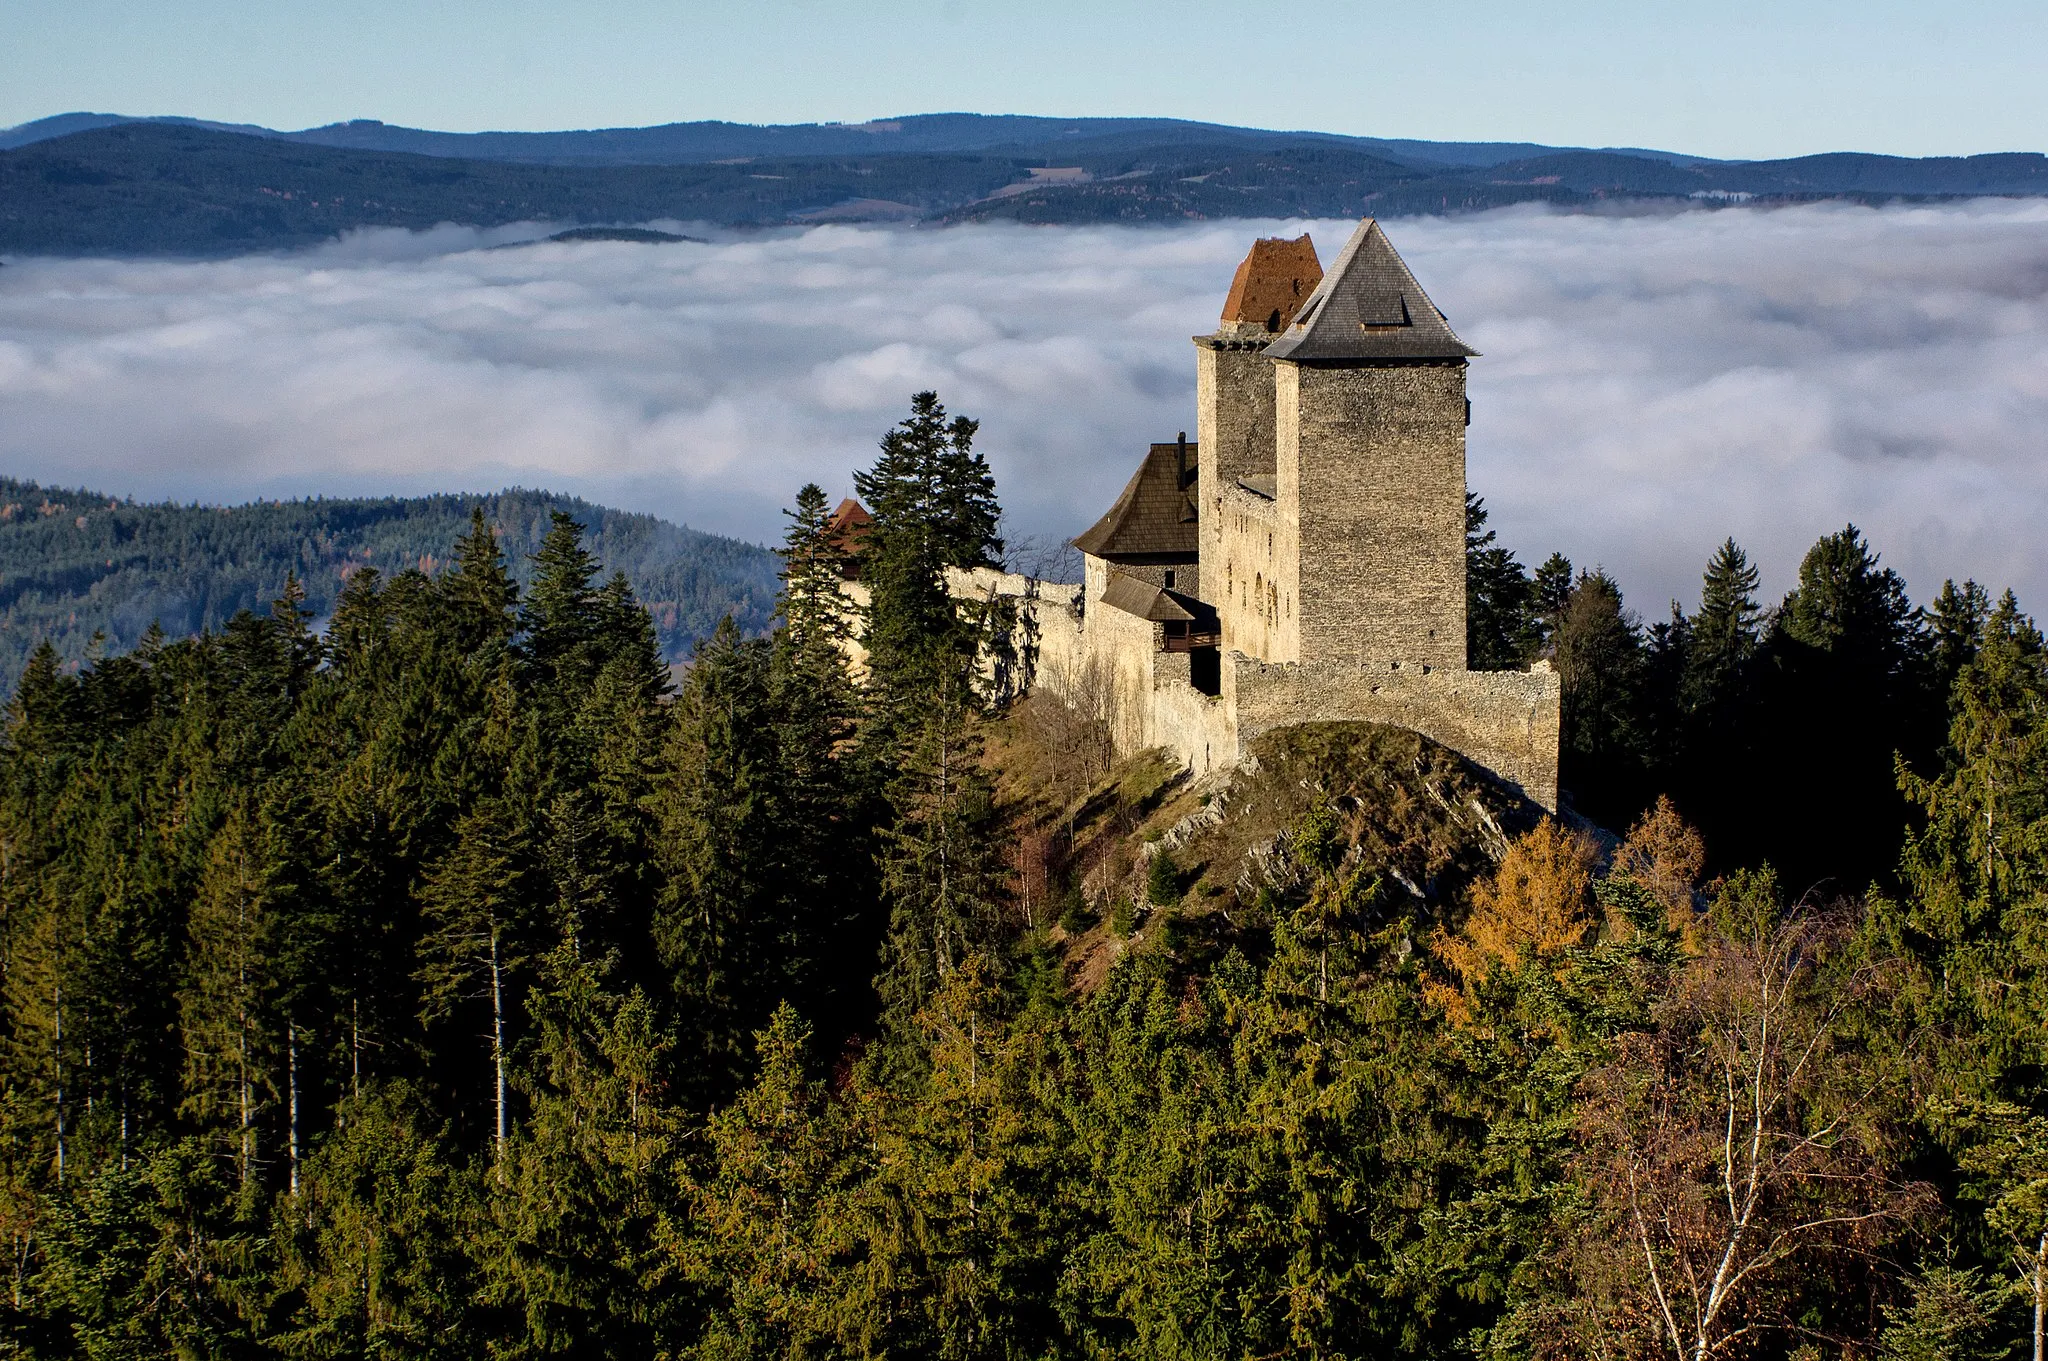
(361, 624)
(577, 1216)
(1847, 697)
(481, 921)
(1552, 588)
(479, 589)
(770, 1192)
(229, 1027)
(1725, 633)
(1955, 626)
(1716, 704)
(559, 619)
(942, 871)
(1500, 599)
(725, 920)
(1598, 651)
(829, 855)
(934, 507)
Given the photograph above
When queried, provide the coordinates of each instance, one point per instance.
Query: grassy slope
(1413, 811)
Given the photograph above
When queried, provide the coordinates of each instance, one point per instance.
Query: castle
(1303, 558)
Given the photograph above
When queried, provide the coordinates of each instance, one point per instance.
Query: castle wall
(1506, 721)
(855, 644)
(1118, 654)
(1243, 576)
(1199, 729)
(1233, 410)
(1373, 459)
(1048, 638)
(1285, 603)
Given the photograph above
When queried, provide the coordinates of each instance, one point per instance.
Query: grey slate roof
(1368, 307)
(1154, 519)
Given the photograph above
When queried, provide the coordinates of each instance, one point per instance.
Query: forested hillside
(78, 563)
(162, 188)
(447, 985)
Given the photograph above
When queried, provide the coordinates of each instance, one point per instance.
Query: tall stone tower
(1349, 545)
(1236, 449)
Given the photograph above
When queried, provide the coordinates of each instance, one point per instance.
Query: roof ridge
(1369, 306)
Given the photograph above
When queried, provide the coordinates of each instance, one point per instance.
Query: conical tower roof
(1368, 307)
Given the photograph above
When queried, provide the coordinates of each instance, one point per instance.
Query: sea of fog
(1649, 385)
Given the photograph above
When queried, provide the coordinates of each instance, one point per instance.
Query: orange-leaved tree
(1536, 904)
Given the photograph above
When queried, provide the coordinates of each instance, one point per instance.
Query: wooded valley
(450, 983)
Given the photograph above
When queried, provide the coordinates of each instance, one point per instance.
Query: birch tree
(1740, 1147)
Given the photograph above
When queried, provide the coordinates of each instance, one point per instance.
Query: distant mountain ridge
(165, 188)
(914, 134)
(74, 563)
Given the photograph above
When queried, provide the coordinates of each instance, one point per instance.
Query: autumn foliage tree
(1740, 1158)
(1536, 905)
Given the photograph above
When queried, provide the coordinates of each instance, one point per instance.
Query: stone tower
(1333, 464)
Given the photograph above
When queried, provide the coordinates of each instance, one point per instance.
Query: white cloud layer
(1650, 384)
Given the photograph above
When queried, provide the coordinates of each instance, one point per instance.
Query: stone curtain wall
(1374, 459)
(1505, 721)
(1107, 664)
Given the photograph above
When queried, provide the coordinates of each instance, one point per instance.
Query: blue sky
(1736, 78)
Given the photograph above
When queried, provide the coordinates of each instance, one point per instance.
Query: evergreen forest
(180, 188)
(452, 980)
(91, 573)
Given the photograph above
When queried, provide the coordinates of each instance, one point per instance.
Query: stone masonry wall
(1505, 721)
(1108, 663)
(1373, 458)
(1233, 410)
(1234, 421)
(1243, 576)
